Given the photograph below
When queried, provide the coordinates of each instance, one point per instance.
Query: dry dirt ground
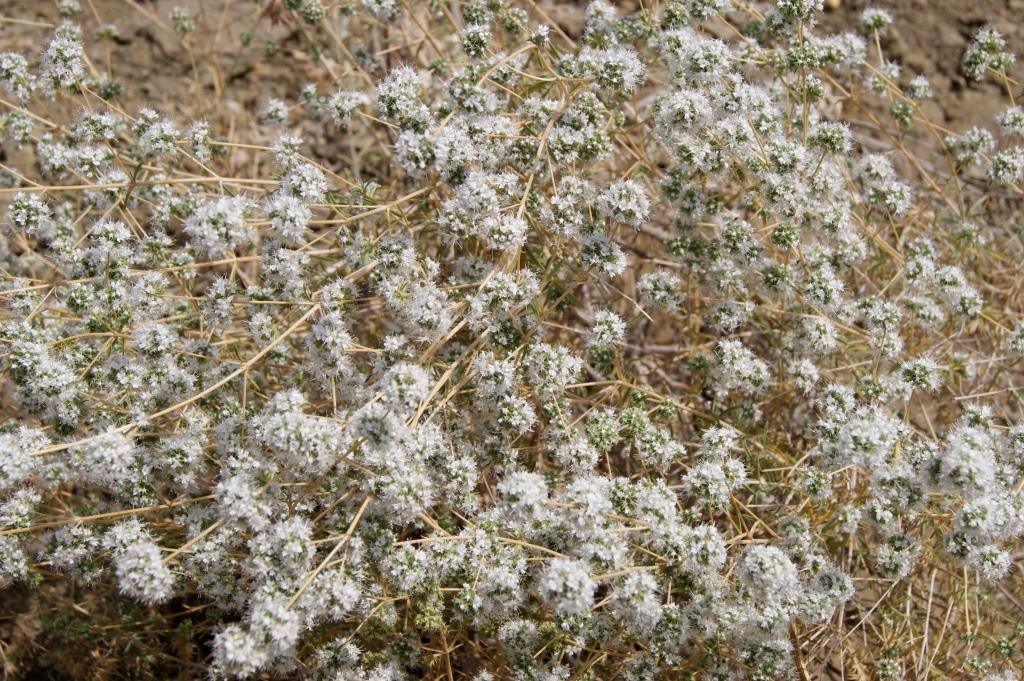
(214, 77)
(928, 37)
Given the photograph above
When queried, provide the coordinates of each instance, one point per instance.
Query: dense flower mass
(500, 352)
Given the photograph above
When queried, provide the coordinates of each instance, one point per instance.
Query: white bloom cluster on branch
(613, 355)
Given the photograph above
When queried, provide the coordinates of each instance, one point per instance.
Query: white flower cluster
(609, 355)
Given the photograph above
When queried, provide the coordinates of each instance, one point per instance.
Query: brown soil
(157, 70)
(929, 37)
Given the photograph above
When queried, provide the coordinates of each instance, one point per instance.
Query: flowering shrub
(688, 345)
